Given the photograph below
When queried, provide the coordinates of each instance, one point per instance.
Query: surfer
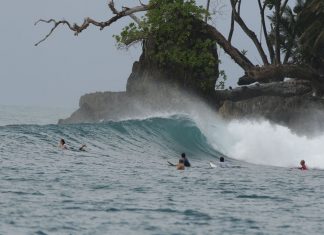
(221, 163)
(180, 165)
(62, 144)
(82, 148)
(303, 165)
(185, 160)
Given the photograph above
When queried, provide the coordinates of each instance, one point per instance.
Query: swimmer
(180, 165)
(62, 144)
(185, 160)
(303, 165)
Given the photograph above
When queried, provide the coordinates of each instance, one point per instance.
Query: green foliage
(311, 33)
(223, 77)
(244, 52)
(173, 26)
(301, 30)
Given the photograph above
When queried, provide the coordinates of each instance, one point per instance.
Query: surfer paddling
(185, 160)
(63, 146)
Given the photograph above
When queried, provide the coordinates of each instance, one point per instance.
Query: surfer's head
(62, 141)
(221, 159)
(183, 155)
(302, 162)
(181, 161)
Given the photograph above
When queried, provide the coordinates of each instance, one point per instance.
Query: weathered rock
(302, 114)
(280, 89)
(105, 106)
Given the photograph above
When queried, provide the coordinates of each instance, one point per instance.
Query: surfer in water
(303, 165)
(82, 148)
(185, 160)
(62, 144)
(221, 159)
(180, 165)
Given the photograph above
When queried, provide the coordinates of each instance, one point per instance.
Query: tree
(273, 67)
(311, 32)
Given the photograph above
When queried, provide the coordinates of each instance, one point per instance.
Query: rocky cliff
(291, 104)
(151, 86)
(154, 87)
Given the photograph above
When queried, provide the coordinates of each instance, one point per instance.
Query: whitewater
(122, 184)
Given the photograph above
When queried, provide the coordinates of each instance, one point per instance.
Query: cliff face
(153, 87)
(291, 104)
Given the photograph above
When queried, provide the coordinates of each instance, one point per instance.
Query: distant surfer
(62, 144)
(222, 162)
(303, 165)
(82, 148)
(180, 165)
(185, 160)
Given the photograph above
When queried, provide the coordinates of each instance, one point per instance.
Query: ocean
(122, 183)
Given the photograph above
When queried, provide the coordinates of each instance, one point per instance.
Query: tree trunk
(277, 32)
(207, 9)
(271, 73)
(232, 51)
(281, 89)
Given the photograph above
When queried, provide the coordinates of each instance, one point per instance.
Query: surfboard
(212, 165)
(171, 164)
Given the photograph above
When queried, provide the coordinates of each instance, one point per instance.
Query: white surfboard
(212, 165)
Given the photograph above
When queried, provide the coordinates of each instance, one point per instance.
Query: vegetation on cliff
(294, 42)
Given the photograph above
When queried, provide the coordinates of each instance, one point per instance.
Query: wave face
(201, 136)
(165, 137)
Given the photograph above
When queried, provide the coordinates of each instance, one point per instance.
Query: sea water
(122, 184)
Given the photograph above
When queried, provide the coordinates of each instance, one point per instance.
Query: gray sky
(64, 67)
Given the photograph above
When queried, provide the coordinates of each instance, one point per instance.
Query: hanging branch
(249, 33)
(207, 9)
(265, 31)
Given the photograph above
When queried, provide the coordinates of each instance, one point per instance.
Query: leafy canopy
(175, 28)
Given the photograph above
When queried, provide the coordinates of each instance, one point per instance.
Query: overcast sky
(60, 70)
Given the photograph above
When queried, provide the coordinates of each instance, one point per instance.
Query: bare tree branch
(233, 52)
(134, 17)
(88, 21)
(56, 23)
(283, 7)
(111, 5)
(265, 31)
(249, 33)
(230, 35)
(207, 9)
